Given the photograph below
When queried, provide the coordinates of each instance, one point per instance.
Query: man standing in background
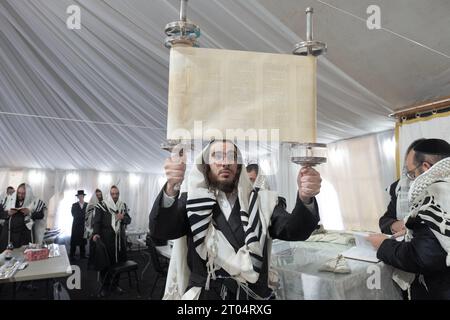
(9, 191)
(21, 211)
(77, 237)
(110, 220)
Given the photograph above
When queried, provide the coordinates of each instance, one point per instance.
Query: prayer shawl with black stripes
(89, 217)
(429, 199)
(210, 243)
(114, 208)
(34, 205)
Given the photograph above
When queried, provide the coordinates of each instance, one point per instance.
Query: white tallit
(89, 218)
(114, 208)
(33, 204)
(429, 199)
(212, 246)
(402, 191)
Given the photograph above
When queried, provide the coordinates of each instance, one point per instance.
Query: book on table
(363, 250)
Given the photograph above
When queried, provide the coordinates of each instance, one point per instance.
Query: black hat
(80, 193)
(434, 147)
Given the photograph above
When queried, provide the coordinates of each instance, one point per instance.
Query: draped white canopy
(96, 98)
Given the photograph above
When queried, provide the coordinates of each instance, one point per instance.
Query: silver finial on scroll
(310, 47)
(309, 154)
(182, 32)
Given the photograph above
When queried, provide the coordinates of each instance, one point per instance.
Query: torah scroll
(239, 90)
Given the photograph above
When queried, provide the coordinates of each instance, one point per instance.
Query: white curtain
(436, 126)
(39, 180)
(59, 187)
(356, 178)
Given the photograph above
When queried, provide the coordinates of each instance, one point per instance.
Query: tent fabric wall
(96, 98)
(434, 126)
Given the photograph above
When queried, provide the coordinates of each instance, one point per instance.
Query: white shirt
(226, 204)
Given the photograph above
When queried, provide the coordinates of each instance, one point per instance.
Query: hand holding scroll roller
(309, 182)
(175, 168)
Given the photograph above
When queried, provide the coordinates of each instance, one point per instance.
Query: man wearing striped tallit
(110, 221)
(224, 227)
(423, 258)
(25, 218)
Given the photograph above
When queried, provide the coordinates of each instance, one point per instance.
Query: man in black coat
(77, 236)
(170, 219)
(424, 252)
(21, 211)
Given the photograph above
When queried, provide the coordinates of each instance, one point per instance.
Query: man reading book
(20, 213)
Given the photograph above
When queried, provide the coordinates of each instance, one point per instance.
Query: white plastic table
(51, 268)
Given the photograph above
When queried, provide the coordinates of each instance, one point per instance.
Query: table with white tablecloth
(298, 264)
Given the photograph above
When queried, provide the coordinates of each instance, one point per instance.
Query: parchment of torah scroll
(239, 90)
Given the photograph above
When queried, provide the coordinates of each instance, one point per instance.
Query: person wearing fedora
(77, 237)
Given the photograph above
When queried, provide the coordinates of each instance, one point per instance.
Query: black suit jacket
(172, 223)
(390, 216)
(422, 255)
(102, 227)
(78, 214)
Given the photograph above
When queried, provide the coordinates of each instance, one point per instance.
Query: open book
(363, 250)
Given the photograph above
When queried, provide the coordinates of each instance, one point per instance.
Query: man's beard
(225, 186)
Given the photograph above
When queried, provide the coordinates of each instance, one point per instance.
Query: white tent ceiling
(96, 98)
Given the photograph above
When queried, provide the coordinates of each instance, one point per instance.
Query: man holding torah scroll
(224, 226)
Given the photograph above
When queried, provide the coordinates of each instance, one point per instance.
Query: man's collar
(230, 197)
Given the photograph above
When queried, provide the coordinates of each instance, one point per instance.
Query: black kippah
(434, 146)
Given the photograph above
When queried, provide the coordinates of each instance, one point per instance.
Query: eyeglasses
(221, 156)
(411, 174)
